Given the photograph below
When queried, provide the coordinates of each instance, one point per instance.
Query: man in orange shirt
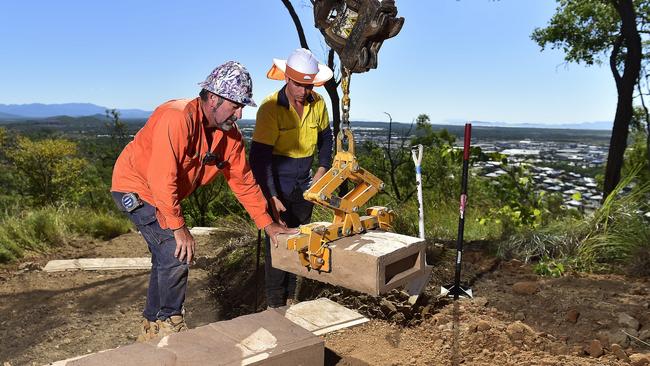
(184, 145)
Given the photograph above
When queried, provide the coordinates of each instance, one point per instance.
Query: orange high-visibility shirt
(163, 163)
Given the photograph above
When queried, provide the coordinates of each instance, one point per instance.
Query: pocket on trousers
(153, 233)
(144, 215)
(145, 220)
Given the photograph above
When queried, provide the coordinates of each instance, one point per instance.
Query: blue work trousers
(281, 285)
(168, 279)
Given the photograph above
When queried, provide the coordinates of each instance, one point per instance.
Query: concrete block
(141, 354)
(200, 346)
(278, 337)
(265, 338)
(321, 316)
(374, 262)
(96, 264)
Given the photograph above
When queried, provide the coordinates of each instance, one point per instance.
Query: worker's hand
(277, 208)
(318, 175)
(185, 244)
(273, 229)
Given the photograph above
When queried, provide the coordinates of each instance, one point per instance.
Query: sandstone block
(374, 262)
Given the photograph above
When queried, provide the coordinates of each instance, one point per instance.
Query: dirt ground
(516, 317)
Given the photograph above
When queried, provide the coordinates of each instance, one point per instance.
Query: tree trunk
(625, 86)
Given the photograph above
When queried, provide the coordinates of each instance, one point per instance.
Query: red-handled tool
(455, 289)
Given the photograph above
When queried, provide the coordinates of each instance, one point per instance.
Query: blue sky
(454, 60)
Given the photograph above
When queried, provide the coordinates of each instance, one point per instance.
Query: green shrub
(34, 230)
(549, 267)
(617, 229)
(9, 249)
(99, 225)
(610, 237)
(47, 227)
(559, 239)
(18, 231)
(44, 228)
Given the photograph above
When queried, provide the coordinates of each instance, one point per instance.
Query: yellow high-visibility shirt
(279, 125)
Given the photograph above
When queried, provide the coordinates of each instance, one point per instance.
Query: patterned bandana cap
(231, 81)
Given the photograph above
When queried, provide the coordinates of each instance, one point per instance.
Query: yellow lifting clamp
(312, 241)
(355, 29)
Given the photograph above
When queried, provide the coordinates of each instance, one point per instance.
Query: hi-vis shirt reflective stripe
(163, 163)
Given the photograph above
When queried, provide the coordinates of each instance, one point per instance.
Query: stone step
(283, 336)
(374, 262)
(265, 338)
(321, 316)
(205, 230)
(95, 264)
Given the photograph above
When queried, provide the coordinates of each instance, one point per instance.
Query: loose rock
(526, 288)
(639, 359)
(572, 316)
(595, 348)
(616, 336)
(482, 326)
(620, 353)
(519, 331)
(387, 307)
(628, 321)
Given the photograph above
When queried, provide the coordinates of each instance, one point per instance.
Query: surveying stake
(416, 153)
(456, 289)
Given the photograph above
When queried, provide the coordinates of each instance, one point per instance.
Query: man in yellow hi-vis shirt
(291, 124)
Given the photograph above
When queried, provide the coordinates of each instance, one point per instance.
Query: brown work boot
(173, 324)
(148, 331)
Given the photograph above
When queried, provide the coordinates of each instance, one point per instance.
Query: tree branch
(296, 22)
(613, 57)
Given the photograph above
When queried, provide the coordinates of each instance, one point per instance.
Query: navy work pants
(168, 279)
(281, 285)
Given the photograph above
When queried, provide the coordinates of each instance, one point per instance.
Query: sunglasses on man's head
(214, 159)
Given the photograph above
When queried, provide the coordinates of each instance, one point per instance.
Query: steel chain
(345, 102)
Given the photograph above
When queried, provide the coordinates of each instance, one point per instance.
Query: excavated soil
(516, 317)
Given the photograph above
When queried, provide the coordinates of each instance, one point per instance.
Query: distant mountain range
(38, 110)
(17, 112)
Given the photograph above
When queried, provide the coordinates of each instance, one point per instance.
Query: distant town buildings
(544, 159)
(577, 191)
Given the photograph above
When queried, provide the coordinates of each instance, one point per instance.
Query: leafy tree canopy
(584, 29)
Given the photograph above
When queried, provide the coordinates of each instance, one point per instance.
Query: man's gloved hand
(185, 245)
(277, 207)
(273, 229)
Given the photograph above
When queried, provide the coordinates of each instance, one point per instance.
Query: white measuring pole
(416, 153)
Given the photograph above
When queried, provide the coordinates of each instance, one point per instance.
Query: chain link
(345, 102)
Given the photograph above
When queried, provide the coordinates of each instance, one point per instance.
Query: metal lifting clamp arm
(312, 241)
(345, 167)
